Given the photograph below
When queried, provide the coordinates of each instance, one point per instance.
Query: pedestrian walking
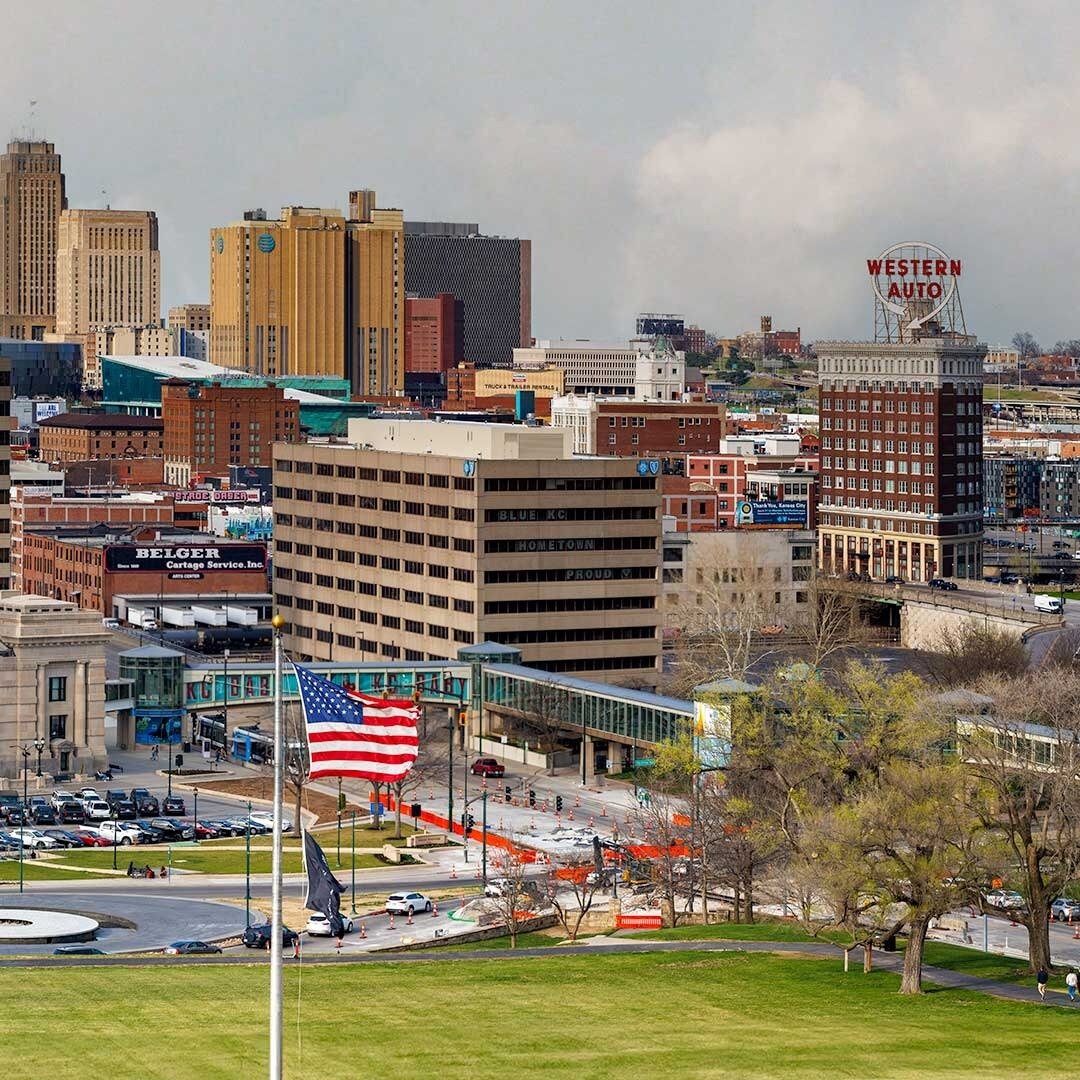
(1042, 978)
(1070, 982)
(154, 753)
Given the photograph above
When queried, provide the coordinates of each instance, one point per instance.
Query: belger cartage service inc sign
(148, 558)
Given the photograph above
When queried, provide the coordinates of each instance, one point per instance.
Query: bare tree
(543, 710)
(1026, 345)
(573, 882)
(297, 765)
(429, 768)
(968, 652)
(1024, 753)
(514, 895)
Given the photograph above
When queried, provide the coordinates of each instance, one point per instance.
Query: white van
(1046, 602)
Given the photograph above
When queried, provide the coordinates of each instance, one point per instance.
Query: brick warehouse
(93, 564)
(97, 436)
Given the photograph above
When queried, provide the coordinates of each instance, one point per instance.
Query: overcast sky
(719, 159)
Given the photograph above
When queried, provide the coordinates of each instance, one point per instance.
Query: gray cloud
(720, 159)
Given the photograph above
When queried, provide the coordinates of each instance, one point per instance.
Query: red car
(487, 766)
(90, 839)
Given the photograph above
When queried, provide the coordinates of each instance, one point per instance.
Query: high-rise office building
(490, 275)
(195, 317)
(374, 297)
(901, 457)
(312, 293)
(432, 333)
(5, 473)
(277, 293)
(418, 537)
(31, 200)
(108, 270)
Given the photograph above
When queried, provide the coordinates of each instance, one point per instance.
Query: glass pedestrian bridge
(479, 680)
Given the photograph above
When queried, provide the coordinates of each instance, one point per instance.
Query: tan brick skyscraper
(31, 199)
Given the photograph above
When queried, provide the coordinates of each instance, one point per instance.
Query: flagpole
(276, 923)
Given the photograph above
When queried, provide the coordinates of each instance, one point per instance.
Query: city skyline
(649, 174)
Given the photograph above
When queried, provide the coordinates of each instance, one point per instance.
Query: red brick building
(99, 436)
(32, 510)
(615, 428)
(207, 428)
(432, 333)
(91, 565)
(901, 458)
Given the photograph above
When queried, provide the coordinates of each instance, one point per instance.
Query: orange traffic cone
(453, 871)
(434, 910)
(603, 811)
(409, 921)
(577, 800)
(363, 930)
(570, 816)
(391, 920)
(1076, 932)
(592, 822)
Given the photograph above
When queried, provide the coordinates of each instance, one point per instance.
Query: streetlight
(195, 814)
(225, 708)
(39, 746)
(25, 751)
(353, 910)
(247, 865)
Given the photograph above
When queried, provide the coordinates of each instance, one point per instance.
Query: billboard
(185, 559)
(791, 513)
(217, 497)
(660, 325)
(712, 734)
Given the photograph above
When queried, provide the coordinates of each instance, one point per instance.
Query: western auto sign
(184, 558)
(914, 281)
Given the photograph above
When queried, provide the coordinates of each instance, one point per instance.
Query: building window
(58, 726)
(58, 688)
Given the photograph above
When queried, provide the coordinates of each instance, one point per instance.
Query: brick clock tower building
(901, 430)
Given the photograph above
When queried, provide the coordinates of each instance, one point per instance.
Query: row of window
(599, 603)
(889, 465)
(918, 427)
(380, 476)
(889, 405)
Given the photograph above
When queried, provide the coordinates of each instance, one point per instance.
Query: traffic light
(179, 760)
(558, 804)
(415, 810)
(508, 795)
(462, 717)
(471, 820)
(532, 796)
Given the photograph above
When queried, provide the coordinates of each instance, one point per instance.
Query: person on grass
(1042, 978)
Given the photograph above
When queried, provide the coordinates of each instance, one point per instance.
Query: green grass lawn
(530, 940)
(39, 870)
(365, 838)
(575, 1017)
(207, 860)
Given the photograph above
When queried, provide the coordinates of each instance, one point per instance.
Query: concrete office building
(189, 317)
(52, 679)
(490, 275)
(621, 428)
(642, 369)
(108, 270)
(901, 457)
(31, 200)
(421, 537)
(5, 473)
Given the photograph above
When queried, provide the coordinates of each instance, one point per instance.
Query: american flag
(350, 734)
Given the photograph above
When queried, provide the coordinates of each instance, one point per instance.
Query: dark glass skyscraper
(491, 275)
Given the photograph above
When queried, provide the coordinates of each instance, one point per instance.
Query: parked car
(223, 827)
(96, 809)
(894, 579)
(262, 817)
(92, 838)
(7, 800)
(191, 948)
(174, 805)
(123, 810)
(123, 833)
(1004, 898)
(89, 794)
(487, 766)
(70, 813)
(205, 831)
(248, 825)
(15, 815)
(1065, 910)
(65, 838)
(941, 583)
(319, 925)
(407, 903)
(256, 937)
(43, 814)
(150, 834)
(61, 797)
(77, 950)
(145, 803)
(173, 830)
(32, 838)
